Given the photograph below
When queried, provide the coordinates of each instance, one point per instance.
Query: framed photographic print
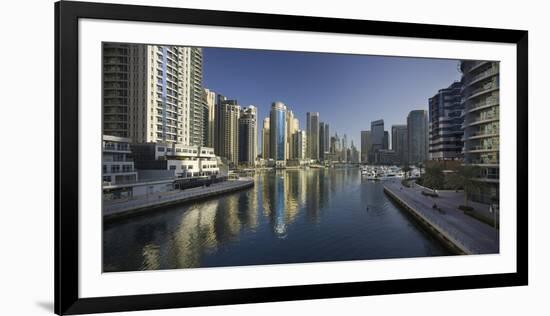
(209, 157)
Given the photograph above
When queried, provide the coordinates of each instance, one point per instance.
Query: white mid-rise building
(118, 166)
(181, 161)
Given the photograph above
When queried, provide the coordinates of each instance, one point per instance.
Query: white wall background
(26, 225)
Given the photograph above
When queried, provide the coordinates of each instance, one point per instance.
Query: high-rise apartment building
(300, 144)
(377, 134)
(116, 103)
(292, 126)
(445, 123)
(365, 146)
(312, 125)
(210, 97)
(227, 129)
(480, 98)
(321, 141)
(326, 139)
(218, 124)
(417, 136)
(146, 92)
(198, 121)
(278, 133)
(399, 142)
(265, 138)
(248, 136)
(386, 141)
(376, 138)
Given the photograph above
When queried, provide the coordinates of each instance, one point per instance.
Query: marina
(288, 216)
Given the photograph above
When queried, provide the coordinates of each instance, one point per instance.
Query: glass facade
(280, 135)
(278, 131)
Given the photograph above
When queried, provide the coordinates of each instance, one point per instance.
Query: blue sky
(348, 91)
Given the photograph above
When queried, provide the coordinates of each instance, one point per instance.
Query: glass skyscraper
(417, 136)
(277, 131)
(312, 126)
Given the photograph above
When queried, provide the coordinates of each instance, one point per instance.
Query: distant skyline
(348, 91)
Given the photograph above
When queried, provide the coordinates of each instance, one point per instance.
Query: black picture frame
(67, 15)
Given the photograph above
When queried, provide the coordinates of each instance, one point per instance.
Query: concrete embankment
(142, 204)
(435, 226)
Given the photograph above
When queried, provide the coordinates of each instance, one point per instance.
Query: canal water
(290, 216)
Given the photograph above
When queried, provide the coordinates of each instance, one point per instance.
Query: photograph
(224, 157)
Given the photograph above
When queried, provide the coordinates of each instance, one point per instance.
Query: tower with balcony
(445, 123)
(480, 98)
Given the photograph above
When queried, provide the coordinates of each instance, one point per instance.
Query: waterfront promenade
(139, 204)
(466, 233)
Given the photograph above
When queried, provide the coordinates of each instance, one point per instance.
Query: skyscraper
(146, 91)
(481, 122)
(345, 148)
(326, 139)
(417, 134)
(227, 129)
(365, 146)
(386, 142)
(277, 131)
(399, 142)
(198, 107)
(336, 148)
(376, 138)
(248, 136)
(445, 138)
(312, 123)
(300, 144)
(354, 154)
(321, 141)
(292, 125)
(210, 97)
(219, 130)
(265, 139)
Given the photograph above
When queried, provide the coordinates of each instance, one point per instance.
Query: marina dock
(146, 203)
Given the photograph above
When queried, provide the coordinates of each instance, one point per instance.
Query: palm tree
(433, 177)
(406, 169)
(465, 178)
(420, 165)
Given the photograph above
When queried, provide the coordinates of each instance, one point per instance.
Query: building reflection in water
(313, 199)
(285, 193)
(195, 234)
(295, 214)
(186, 237)
(151, 257)
(278, 204)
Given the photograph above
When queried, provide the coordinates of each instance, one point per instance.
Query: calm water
(289, 216)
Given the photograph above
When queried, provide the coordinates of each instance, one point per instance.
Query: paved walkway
(118, 208)
(468, 233)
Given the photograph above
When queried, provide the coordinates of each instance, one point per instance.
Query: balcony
(478, 135)
(479, 149)
(115, 69)
(483, 118)
(482, 75)
(481, 90)
(475, 65)
(117, 147)
(483, 162)
(487, 103)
